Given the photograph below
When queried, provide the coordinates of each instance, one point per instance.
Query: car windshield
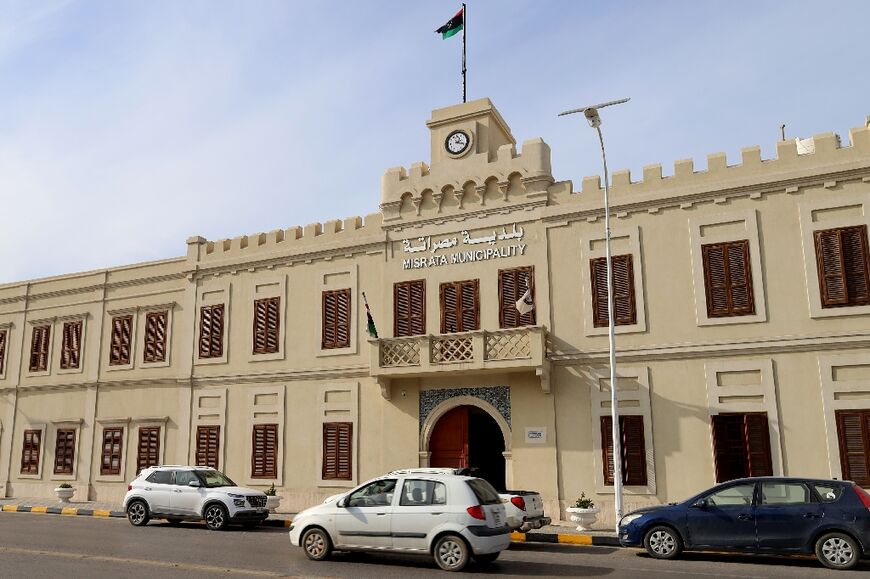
(213, 478)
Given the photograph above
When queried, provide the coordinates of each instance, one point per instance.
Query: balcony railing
(515, 349)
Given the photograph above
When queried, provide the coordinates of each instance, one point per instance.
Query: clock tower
(467, 130)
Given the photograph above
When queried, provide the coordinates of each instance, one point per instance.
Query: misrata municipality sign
(432, 256)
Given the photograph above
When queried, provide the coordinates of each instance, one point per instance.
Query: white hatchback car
(192, 493)
(453, 518)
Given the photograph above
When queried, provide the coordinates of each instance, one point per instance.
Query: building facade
(741, 302)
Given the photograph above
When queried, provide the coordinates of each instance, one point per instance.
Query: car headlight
(235, 496)
(628, 519)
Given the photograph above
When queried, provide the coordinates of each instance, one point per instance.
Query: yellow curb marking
(101, 513)
(143, 562)
(69, 511)
(518, 536)
(575, 539)
(38, 509)
(288, 522)
(10, 508)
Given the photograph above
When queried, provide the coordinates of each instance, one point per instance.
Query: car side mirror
(700, 504)
(193, 483)
(342, 503)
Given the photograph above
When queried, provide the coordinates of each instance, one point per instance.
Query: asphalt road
(43, 546)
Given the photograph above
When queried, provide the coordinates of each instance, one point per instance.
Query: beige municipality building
(741, 304)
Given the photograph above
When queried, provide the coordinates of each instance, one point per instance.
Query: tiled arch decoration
(498, 396)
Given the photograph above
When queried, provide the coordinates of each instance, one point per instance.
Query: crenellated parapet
(481, 179)
(331, 236)
(822, 157)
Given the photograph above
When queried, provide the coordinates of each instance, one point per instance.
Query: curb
(562, 538)
(566, 539)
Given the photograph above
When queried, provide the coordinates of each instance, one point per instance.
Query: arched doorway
(468, 436)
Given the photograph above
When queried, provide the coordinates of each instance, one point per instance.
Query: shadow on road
(189, 525)
(556, 548)
(802, 560)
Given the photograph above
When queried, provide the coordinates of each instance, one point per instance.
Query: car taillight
(862, 495)
(477, 512)
(519, 503)
(129, 487)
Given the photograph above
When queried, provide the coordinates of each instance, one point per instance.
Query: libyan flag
(453, 25)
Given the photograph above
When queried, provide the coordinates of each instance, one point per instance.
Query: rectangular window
(3, 334)
(113, 440)
(264, 452)
(853, 432)
(624, 311)
(39, 348)
(208, 442)
(30, 452)
(267, 325)
(122, 331)
(64, 451)
(633, 450)
(338, 450)
(728, 279)
(155, 337)
(149, 448)
(211, 331)
(512, 285)
(844, 266)
(71, 344)
(336, 319)
(741, 446)
(460, 306)
(409, 308)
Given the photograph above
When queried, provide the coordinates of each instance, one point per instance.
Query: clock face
(457, 142)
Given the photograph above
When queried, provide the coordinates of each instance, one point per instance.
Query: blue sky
(126, 127)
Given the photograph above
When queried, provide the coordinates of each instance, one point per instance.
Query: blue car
(830, 518)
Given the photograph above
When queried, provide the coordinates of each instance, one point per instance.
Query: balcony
(477, 352)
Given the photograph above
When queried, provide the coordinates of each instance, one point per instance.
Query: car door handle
(744, 517)
(381, 514)
(438, 513)
(147, 488)
(812, 516)
(176, 490)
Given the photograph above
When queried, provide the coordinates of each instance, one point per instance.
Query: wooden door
(449, 442)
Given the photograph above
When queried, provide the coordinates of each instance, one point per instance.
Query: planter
(584, 518)
(272, 503)
(63, 494)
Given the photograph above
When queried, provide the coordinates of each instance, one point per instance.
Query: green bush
(64, 486)
(584, 502)
(271, 492)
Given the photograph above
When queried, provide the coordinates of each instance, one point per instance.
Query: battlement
(829, 156)
(334, 234)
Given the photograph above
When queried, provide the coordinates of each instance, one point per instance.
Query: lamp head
(591, 115)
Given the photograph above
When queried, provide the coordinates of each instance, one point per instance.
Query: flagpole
(464, 28)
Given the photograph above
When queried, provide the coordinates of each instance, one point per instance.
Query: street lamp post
(591, 114)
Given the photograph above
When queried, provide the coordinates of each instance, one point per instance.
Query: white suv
(453, 518)
(192, 493)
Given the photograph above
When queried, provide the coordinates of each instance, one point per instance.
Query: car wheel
(663, 543)
(216, 517)
(451, 553)
(174, 522)
(838, 551)
(137, 513)
(316, 544)
(487, 558)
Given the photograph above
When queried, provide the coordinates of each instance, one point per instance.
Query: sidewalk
(565, 533)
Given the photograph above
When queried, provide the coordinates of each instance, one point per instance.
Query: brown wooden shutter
(71, 345)
(64, 451)
(264, 451)
(30, 452)
(211, 331)
(155, 336)
(267, 325)
(113, 440)
(624, 306)
(512, 284)
(149, 448)
(728, 279)
(853, 433)
(757, 437)
(409, 308)
(633, 450)
(337, 451)
(3, 334)
(39, 348)
(208, 440)
(460, 306)
(122, 330)
(336, 319)
(844, 271)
